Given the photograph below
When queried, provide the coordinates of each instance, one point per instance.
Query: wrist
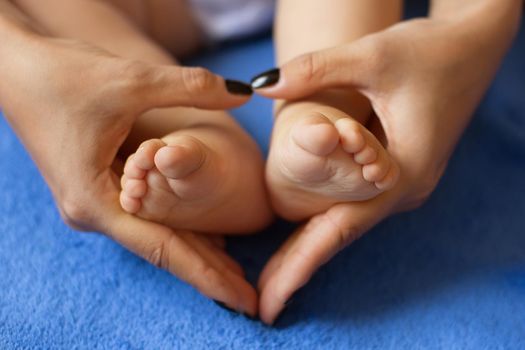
(490, 21)
(484, 29)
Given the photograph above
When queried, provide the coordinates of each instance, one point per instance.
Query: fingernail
(266, 79)
(238, 87)
(229, 309)
(286, 304)
(251, 318)
(279, 318)
(291, 299)
(224, 306)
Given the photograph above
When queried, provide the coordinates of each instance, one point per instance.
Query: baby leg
(321, 152)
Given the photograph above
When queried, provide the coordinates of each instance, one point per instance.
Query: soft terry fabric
(450, 275)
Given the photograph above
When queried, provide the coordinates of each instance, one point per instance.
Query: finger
(342, 66)
(228, 268)
(166, 249)
(207, 248)
(173, 86)
(219, 241)
(315, 243)
(275, 261)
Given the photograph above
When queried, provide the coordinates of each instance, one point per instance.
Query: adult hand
(73, 105)
(424, 78)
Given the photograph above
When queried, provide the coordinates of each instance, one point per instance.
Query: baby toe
(377, 170)
(351, 134)
(129, 204)
(145, 155)
(390, 179)
(135, 188)
(366, 156)
(123, 181)
(131, 170)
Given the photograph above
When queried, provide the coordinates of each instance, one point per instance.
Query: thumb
(173, 86)
(342, 66)
(311, 246)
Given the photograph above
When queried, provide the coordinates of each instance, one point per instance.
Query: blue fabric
(450, 275)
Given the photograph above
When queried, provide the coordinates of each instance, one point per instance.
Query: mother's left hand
(424, 79)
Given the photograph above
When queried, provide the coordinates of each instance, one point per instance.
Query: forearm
(441, 8)
(482, 29)
(309, 25)
(492, 20)
(304, 26)
(97, 23)
(17, 31)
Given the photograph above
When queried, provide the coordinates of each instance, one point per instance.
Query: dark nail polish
(224, 306)
(251, 318)
(266, 79)
(277, 321)
(238, 87)
(291, 299)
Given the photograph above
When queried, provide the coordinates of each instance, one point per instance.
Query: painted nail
(277, 321)
(251, 318)
(224, 306)
(286, 304)
(229, 309)
(291, 299)
(238, 87)
(266, 79)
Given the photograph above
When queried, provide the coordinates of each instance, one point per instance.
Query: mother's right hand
(424, 79)
(73, 105)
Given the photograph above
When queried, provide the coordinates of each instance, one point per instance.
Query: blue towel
(450, 275)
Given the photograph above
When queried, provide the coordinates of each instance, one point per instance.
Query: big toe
(180, 158)
(316, 134)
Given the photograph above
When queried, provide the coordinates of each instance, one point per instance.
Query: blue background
(450, 275)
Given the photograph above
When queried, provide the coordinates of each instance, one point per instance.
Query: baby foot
(183, 182)
(321, 156)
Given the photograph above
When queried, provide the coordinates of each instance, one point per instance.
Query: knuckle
(310, 67)
(349, 234)
(376, 52)
(197, 80)
(201, 275)
(424, 190)
(158, 254)
(345, 235)
(157, 257)
(418, 200)
(302, 255)
(134, 77)
(203, 271)
(75, 212)
(136, 71)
